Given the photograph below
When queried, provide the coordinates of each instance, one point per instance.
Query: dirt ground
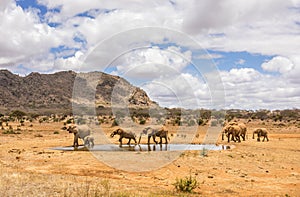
(29, 167)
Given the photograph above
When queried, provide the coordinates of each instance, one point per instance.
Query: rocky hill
(53, 93)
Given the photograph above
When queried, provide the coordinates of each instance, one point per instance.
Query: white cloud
(182, 90)
(23, 36)
(264, 27)
(246, 88)
(153, 62)
(278, 64)
(209, 56)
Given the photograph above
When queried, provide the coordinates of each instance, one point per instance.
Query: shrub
(17, 114)
(214, 123)
(204, 153)
(200, 122)
(11, 131)
(56, 132)
(191, 122)
(142, 122)
(115, 123)
(187, 184)
(69, 121)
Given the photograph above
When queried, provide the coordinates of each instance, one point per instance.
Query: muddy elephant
(161, 133)
(79, 131)
(243, 130)
(261, 132)
(242, 133)
(232, 131)
(124, 134)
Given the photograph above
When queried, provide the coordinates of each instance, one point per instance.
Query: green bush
(214, 123)
(142, 122)
(187, 184)
(191, 122)
(200, 122)
(115, 123)
(11, 131)
(69, 121)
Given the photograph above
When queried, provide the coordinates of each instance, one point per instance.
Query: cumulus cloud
(153, 62)
(246, 88)
(183, 90)
(268, 27)
(278, 64)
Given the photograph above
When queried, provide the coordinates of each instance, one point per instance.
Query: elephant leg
(149, 137)
(233, 137)
(228, 137)
(153, 136)
(222, 135)
(129, 141)
(92, 143)
(75, 143)
(166, 140)
(120, 140)
(135, 140)
(160, 140)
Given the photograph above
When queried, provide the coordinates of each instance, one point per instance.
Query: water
(145, 147)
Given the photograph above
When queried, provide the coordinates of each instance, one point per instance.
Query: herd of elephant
(233, 131)
(152, 133)
(84, 133)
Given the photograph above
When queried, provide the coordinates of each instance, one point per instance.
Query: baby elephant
(89, 141)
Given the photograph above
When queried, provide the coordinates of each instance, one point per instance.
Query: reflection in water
(146, 147)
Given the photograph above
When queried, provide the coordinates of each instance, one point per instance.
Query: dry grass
(29, 168)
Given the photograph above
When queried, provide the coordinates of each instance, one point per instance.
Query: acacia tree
(17, 114)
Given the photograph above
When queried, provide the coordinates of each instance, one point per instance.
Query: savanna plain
(30, 167)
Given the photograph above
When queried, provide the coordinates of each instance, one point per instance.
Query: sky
(184, 53)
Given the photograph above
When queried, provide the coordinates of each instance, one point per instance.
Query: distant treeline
(228, 115)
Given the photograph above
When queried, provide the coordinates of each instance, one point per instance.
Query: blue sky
(256, 51)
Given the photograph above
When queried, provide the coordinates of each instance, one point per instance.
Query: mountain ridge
(42, 93)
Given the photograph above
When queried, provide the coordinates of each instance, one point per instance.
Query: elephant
(79, 131)
(124, 134)
(261, 132)
(243, 130)
(89, 141)
(162, 133)
(234, 131)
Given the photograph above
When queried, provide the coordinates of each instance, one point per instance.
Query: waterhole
(145, 147)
